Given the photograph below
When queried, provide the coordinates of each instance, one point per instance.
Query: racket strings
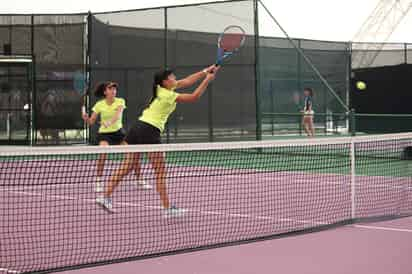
(231, 41)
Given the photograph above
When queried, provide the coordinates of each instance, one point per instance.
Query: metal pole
(348, 78)
(352, 119)
(166, 64)
(27, 111)
(353, 180)
(300, 88)
(34, 90)
(257, 73)
(272, 108)
(89, 69)
(405, 46)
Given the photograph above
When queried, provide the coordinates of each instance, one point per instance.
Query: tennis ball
(360, 85)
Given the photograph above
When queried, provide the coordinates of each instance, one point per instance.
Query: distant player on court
(150, 125)
(308, 112)
(110, 108)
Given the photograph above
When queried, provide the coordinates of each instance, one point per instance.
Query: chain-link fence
(258, 93)
(181, 38)
(57, 45)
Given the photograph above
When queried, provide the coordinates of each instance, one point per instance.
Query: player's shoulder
(98, 106)
(99, 103)
(161, 91)
(165, 93)
(120, 100)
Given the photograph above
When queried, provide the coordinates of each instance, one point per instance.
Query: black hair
(159, 77)
(310, 91)
(101, 87)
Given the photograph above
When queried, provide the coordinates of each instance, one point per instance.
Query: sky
(333, 20)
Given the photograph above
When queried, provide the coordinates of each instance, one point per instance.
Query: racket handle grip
(83, 110)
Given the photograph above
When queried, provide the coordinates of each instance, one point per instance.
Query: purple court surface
(373, 248)
(363, 248)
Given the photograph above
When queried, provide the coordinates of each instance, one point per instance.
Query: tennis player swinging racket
(151, 123)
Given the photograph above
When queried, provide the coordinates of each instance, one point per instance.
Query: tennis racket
(79, 85)
(84, 102)
(229, 41)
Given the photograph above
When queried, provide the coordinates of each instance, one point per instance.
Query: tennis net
(228, 192)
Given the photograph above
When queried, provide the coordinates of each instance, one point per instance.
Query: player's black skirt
(113, 138)
(143, 133)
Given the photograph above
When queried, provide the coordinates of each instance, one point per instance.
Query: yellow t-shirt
(157, 113)
(107, 112)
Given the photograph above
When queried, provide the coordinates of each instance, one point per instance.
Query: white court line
(344, 181)
(128, 204)
(383, 228)
(262, 179)
(219, 213)
(5, 270)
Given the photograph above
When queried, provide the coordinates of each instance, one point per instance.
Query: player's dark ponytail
(99, 90)
(157, 81)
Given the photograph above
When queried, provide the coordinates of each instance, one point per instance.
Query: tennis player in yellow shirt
(110, 108)
(151, 124)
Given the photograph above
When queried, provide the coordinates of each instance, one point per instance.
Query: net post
(353, 179)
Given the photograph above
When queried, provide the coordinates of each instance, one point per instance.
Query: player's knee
(103, 143)
(102, 157)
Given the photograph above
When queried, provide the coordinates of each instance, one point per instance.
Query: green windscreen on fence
(227, 111)
(129, 47)
(287, 66)
(59, 47)
(385, 68)
(258, 92)
(57, 44)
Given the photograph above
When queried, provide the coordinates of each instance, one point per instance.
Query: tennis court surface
(231, 193)
(377, 248)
